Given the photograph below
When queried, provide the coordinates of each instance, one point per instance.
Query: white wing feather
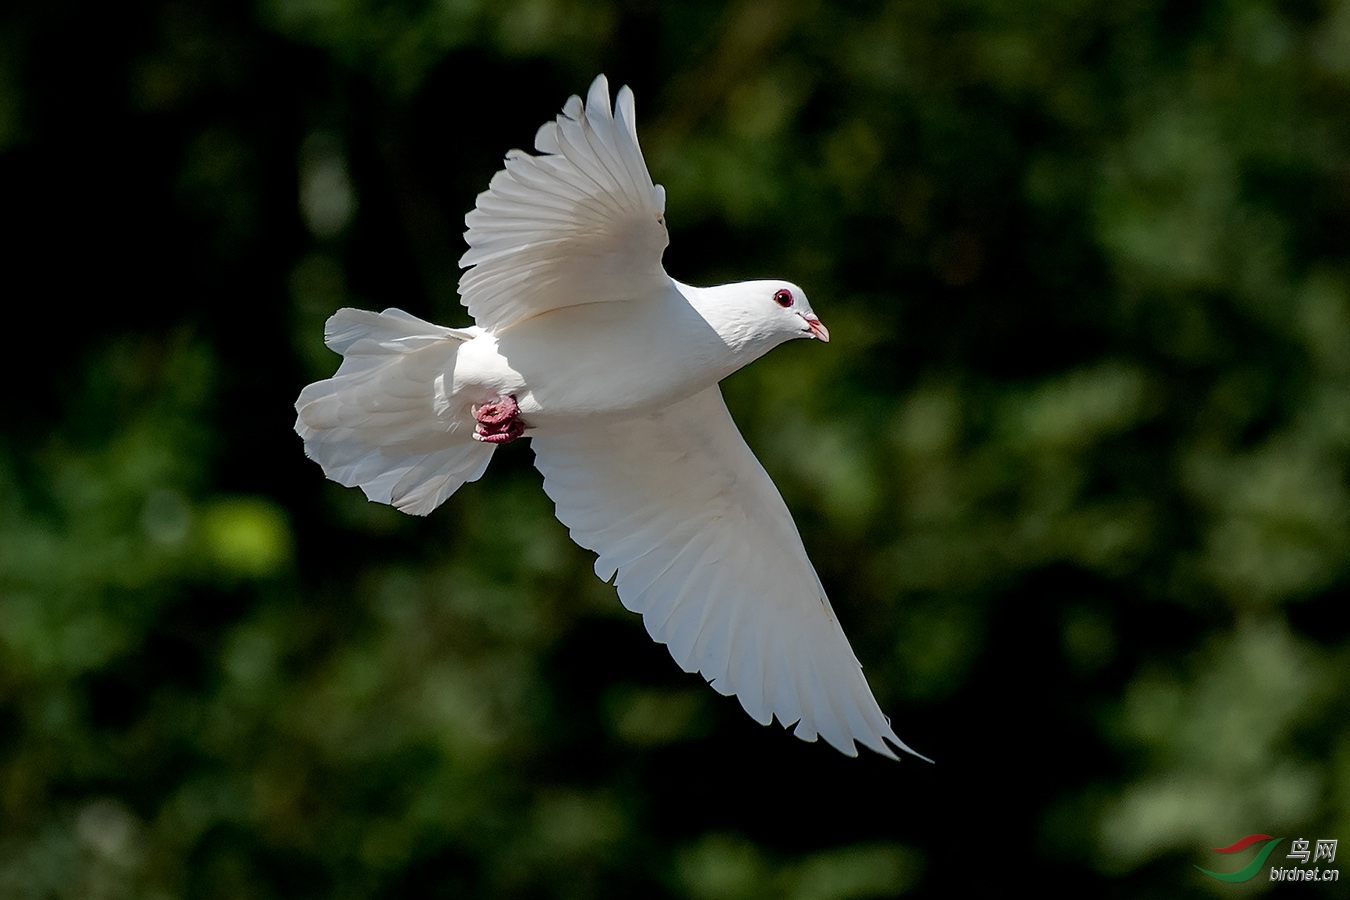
(582, 223)
(705, 549)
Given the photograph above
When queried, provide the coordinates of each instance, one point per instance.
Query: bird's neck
(737, 336)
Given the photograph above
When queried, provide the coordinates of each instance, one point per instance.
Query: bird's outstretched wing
(706, 550)
(580, 223)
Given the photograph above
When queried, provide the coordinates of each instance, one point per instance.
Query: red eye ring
(783, 297)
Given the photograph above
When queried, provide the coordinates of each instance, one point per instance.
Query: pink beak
(818, 330)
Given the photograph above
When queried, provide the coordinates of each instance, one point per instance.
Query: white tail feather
(384, 422)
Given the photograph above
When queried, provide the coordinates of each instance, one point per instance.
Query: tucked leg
(498, 421)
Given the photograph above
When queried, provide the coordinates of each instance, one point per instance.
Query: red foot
(498, 421)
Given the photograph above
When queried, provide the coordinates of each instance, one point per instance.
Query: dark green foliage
(1074, 467)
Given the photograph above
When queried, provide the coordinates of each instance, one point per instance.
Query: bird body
(561, 364)
(610, 367)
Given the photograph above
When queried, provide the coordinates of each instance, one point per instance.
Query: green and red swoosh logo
(1247, 871)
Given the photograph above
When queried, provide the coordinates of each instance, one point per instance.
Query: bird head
(795, 315)
(759, 315)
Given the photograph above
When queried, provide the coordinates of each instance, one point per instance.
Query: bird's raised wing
(705, 549)
(578, 224)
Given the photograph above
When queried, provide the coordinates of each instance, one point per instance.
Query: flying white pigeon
(585, 345)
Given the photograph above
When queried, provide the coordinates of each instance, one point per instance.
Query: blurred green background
(1073, 469)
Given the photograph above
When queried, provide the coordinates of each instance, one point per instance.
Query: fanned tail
(385, 422)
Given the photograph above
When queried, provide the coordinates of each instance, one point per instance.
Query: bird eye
(783, 298)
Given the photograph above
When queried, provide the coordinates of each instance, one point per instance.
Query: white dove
(585, 345)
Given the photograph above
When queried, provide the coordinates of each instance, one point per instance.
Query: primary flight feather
(585, 345)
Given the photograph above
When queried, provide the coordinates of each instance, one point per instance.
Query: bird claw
(496, 412)
(498, 421)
